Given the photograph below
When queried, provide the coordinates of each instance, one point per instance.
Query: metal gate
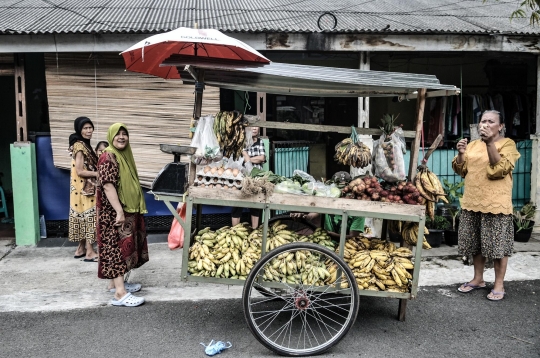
(440, 163)
(290, 155)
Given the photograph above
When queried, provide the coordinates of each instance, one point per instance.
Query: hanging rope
(246, 100)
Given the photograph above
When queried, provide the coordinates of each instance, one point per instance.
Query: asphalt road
(440, 323)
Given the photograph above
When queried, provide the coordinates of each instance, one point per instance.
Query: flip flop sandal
(95, 259)
(494, 295)
(468, 287)
(79, 256)
(128, 300)
(130, 287)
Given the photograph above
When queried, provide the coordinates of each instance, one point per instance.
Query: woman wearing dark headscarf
(121, 233)
(82, 203)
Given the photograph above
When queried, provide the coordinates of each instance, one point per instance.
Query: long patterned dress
(82, 208)
(120, 250)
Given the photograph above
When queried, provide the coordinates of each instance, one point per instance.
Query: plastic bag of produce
(205, 141)
(176, 235)
(320, 189)
(333, 191)
(388, 158)
(289, 187)
(302, 177)
(314, 188)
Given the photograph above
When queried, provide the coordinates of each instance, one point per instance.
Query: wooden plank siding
(154, 110)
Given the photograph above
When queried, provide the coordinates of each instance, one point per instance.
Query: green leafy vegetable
(268, 175)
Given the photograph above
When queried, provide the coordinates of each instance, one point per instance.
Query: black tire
(300, 305)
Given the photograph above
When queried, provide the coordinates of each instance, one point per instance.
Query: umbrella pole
(199, 88)
(197, 109)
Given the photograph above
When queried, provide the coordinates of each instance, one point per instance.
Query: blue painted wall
(53, 188)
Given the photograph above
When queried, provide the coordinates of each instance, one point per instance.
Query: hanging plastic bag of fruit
(388, 151)
(205, 141)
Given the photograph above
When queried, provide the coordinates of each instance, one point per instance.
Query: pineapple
(388, 126)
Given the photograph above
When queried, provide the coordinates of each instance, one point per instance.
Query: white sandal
(130, 287)
(128, 300)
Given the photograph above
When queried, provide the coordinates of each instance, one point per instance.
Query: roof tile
(358, 16)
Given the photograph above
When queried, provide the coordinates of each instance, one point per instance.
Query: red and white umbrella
(147, 55)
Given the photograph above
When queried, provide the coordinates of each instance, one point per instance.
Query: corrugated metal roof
(303, 80)
(357, 16)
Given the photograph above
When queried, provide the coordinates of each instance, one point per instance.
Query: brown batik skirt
(491, 235)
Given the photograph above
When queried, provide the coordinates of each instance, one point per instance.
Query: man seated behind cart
(254, 157)
(332, 223)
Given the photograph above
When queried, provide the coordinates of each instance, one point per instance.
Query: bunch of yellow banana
(319, 236)
(409, 232)
(314, 271)
(285, 267)
(332, 279)
(216, 254)
(279, 238)
(299, 267)
(201, 261)
(430, 188)
(230, 133)
(252, 245)
(228, 250)
(377, 265)
(357, 155)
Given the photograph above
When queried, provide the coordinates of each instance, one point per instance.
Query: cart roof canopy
(303, 80)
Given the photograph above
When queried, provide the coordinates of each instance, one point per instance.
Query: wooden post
(402, 310)
(384, 230)
(415, 147)
(261, 109)
(20, 98)
(537, 94)
(363, 102)
(363, 120)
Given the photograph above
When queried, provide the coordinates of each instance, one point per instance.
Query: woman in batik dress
(121, 232)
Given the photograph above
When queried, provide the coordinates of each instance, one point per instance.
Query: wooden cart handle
(431, 149)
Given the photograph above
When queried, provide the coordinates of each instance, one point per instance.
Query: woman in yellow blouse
(485, 228)
(82, 200)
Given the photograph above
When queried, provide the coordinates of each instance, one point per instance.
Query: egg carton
(208, 180)
(228, 181)
(231, 182)
(201, 173)
(234, 188)
(216, 180)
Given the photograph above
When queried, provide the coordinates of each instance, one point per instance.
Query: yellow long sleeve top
(488, 188)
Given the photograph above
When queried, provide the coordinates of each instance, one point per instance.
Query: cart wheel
(300, 319)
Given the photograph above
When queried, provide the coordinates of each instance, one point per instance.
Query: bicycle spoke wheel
(300, 299)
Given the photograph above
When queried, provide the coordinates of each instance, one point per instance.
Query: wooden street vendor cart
(299, 319)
